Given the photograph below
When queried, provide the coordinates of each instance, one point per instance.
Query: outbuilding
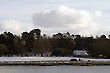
(80, 53)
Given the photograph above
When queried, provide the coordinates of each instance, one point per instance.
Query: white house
(80, 53)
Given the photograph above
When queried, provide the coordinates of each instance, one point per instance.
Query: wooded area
(60, 44)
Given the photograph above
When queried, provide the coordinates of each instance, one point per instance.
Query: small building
(80, 53)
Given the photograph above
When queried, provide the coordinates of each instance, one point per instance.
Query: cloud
(68, 19)
(62, 19)
(15, 26)
(97, 14)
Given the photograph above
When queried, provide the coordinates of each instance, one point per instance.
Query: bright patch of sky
(20, 13)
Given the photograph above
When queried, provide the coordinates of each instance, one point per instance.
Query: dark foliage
(61, 44)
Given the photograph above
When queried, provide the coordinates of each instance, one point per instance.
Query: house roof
(80, 52)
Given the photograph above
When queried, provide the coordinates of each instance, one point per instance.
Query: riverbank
(53, 61)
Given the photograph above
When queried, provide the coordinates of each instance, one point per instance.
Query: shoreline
(53, 61)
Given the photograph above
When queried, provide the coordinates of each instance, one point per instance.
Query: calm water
(54, 69)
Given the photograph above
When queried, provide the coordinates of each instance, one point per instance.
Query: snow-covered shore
(47, 59)
(33, 58)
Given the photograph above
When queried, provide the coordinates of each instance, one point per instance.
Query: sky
(84, 17)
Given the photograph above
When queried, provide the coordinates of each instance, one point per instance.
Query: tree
(10, 41)
(35, 34)
(61, 52)
(100, 46)
(58, 52)
(19, 45)
(3, 49)
(42, 46)
(77, 42)
(27, 39)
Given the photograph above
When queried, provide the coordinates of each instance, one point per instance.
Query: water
(54, 69)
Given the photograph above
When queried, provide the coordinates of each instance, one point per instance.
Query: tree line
(60, 44)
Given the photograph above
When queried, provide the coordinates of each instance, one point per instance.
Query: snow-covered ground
(103, 60)
(47, 59)
(33, 58)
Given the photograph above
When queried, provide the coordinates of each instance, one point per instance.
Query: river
(54, 69)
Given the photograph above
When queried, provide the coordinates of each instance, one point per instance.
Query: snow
(33, 58)
(47, 59)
